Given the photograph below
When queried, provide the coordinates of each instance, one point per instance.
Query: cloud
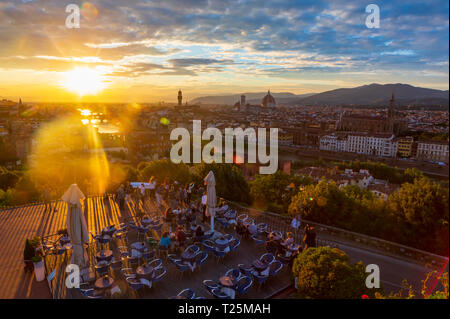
(194, 37)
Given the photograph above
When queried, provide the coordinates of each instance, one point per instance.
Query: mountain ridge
(368, 94)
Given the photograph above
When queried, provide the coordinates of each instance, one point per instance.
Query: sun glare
(83, 81)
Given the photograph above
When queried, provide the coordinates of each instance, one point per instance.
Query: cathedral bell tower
(180, 98)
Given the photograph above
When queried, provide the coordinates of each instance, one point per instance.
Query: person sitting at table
(240, 229)
(170, 216)
(199, 233)
(229, 292)
(252, 229)
(262, 272)
(181, 236)
(223, 244)
(289, 239)
(274, 247)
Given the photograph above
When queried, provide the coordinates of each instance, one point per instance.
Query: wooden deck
(24, 222)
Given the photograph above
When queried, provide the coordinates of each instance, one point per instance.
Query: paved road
(392, 270)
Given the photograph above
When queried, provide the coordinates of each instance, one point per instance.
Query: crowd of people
(180, 211)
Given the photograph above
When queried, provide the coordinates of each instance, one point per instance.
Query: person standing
(121, 197)
(152, 186)
(204, 200)
(47, 199)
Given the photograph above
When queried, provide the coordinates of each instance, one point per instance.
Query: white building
(333, 143)
(434, 151)
(375, 144)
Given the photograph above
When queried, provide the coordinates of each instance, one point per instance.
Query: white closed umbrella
(76, 224)
(211, 199)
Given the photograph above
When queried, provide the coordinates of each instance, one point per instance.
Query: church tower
(180, 98)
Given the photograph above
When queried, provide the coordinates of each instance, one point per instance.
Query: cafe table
(144, 271)
(139, 245)
(228, 281)
(105, 254)
(104, 283)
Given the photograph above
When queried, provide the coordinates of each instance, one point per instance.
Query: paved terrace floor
(20, 223)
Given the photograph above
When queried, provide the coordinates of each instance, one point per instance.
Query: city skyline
(150, 50)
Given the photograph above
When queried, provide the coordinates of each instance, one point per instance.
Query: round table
(147, 221)
(104, 283)
(228, 281)
(275, 236)
(187, 255)
(222, 243)
(64, 240)
(259, 265)
(139, 245)
(104, 255)
(108, 230)
(144, 271)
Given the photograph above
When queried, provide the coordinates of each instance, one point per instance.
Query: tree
(421, 212)
(8, 178)
(326, 273)
(275, 190)
(230, 183)
(162, 169)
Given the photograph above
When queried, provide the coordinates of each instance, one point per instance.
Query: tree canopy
(327, 273)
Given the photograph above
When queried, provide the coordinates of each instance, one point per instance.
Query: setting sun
(83, 81)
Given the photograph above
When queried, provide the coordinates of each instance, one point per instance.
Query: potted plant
(31, 245)
(39, 269)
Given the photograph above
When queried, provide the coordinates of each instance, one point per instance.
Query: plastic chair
(208, 245)
(193, 249)
(245, 270)
(275, 268)
(148, 255)
(234, 244)
(159, 274)
(182, 267)
(258, 241)
(244, 284)
(201, 257)
(261, 279)
(156, 263)
(210, 285)
(267, 258)
(217, 293)
(242, 217)
(234, 272)
(262, 227)
(128, 272)
(228, 237)
(135, 284)
(187, 293)
(219, 254)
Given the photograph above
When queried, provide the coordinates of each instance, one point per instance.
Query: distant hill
(252, 98)
(378, 94)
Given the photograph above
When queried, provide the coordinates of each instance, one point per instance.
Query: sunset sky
(144, 51)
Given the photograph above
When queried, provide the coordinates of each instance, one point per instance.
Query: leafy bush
(326, 273)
